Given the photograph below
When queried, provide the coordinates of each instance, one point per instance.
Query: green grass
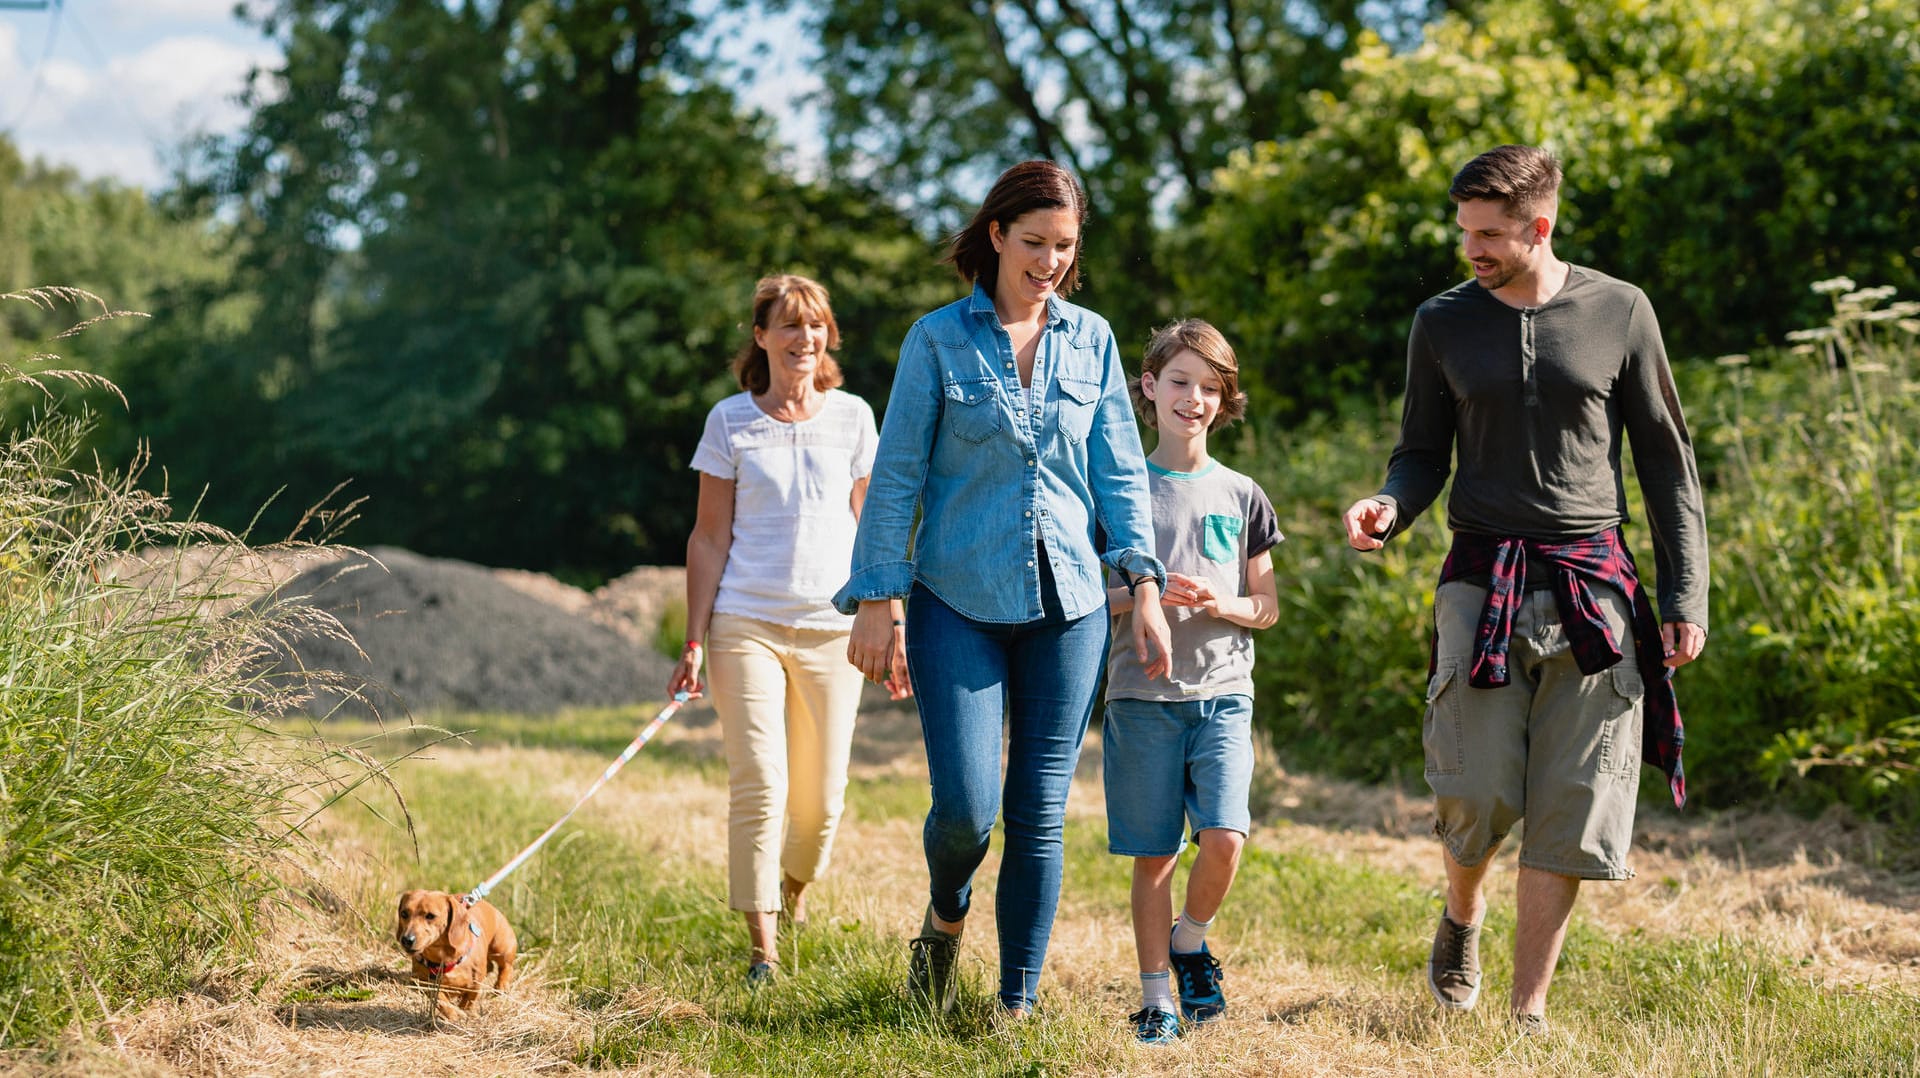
(606, 908)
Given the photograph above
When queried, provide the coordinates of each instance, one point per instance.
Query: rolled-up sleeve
(882, 565)
(1117, 473)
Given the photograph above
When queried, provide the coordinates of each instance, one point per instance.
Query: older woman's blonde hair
(772, 296)
(1199, 337)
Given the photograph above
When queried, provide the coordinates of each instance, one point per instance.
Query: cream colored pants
(787, 699)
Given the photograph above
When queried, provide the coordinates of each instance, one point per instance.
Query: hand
(899, 684)
(1183, 590)
(686, 673)
(1152, 643)
(873, 646)
(1366, 520)
(1682, 642)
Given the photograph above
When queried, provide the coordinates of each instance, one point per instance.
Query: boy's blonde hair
(1199, 337)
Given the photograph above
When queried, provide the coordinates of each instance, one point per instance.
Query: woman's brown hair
(1027, 186)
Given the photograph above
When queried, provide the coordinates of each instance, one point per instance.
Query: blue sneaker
(1198, 975)
(1151, 1025)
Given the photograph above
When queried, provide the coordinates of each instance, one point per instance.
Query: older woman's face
(794, 339)
(1036, 251)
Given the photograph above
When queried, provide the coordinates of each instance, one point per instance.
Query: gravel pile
(447, 635)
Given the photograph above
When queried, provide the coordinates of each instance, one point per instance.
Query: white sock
(1189, 935)
(1156, 991)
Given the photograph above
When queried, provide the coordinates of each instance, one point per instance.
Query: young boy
(1181, 751)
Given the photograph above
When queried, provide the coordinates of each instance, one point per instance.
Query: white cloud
(118, 120)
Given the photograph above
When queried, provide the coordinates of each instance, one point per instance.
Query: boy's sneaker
(931, 978)
(1453, 970)
(1530, 1025)
(760, 974)
(1151, 1025)
(1198, 976)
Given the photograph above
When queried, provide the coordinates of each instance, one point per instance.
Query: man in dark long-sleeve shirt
(1551, 672)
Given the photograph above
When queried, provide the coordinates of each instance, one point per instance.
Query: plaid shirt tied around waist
(1575, 567)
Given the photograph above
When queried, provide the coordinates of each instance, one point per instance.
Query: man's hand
(1682, 642)
(1367, 519)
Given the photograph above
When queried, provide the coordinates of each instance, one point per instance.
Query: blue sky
(109, 87)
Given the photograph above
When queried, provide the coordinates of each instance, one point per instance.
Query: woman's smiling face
(1036, 250)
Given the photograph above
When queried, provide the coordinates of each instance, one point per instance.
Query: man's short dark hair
(1523, 179)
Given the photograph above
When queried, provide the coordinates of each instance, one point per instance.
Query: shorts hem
(1118, 851)
(1597, 873)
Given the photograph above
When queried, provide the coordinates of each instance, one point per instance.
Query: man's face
(1500, 248)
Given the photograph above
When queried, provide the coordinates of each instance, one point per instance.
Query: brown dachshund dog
(452, 944)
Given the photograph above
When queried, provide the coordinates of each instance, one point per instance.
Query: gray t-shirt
(1206, 524)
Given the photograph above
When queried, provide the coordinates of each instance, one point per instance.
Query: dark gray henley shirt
(1536, 400)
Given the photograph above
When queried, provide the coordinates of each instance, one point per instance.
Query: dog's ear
(456, 914)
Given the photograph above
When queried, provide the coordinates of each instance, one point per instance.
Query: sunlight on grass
(631, 898)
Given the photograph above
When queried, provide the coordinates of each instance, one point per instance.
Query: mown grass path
(1747, 945)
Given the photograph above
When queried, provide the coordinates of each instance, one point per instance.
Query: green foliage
(670, 636)
(1341, 675)
(1813, 682)
(928, 100)
(142, 804)
(502, 300)
(1714, 149)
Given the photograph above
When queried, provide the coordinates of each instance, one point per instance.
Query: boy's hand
(1183, 590)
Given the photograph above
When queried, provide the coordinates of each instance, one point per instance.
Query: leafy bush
(1815, 523)
(143, 799)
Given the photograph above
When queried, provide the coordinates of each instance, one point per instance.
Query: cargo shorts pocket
(1440, 733)
(1621, 753)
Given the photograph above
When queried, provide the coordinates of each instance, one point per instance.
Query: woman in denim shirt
(1010, 430)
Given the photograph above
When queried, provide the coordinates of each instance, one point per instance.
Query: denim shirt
(994, 467)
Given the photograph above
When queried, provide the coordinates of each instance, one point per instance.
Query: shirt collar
(1059, 311)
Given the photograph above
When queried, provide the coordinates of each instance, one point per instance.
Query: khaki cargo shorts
(1555, 746)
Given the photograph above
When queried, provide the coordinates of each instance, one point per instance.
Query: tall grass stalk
(1816, 506)
(144, 799)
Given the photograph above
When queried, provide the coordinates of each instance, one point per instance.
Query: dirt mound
(444, 635)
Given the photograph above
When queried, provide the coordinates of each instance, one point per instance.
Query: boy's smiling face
(1186, 395)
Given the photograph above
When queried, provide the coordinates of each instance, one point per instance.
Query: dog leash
(633, 746)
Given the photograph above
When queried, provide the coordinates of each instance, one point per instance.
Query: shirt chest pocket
(1221, 539)
(1078, 398)
(972, 411)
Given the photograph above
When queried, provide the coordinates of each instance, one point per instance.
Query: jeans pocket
(1440, 733)
(1078, 399)
(1621, 753)
(972, 409)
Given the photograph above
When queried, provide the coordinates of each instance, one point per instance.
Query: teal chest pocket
(1221, 541)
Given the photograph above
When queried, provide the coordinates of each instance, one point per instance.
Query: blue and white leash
(645, 735)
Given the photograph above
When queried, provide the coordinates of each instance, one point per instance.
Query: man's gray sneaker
(1453, 970)
(931, 977)
(1530, 1025)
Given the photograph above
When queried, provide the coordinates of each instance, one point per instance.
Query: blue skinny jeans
(1038, 680)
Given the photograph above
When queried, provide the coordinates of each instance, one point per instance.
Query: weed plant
(144, 798)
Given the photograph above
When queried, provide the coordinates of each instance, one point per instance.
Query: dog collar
(436, 972)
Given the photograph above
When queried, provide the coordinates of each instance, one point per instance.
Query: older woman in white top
(783, 473)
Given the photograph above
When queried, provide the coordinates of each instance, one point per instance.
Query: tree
(930, 99)
(502, 253)
(1717, 153)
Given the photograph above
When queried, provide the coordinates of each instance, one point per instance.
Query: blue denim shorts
(1173, 764)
